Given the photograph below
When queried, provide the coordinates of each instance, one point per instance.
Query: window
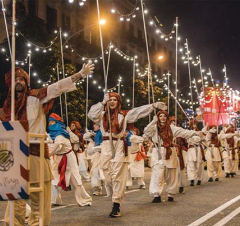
(66, 26)
(51, 19)
(32, 7)
(139, 34)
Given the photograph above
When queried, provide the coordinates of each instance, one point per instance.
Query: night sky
(212, 29)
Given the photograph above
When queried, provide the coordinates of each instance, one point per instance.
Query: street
(212, 203)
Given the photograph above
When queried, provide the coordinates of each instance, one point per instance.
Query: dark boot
(69, 188)
(192, 183)
(156, 199)
(217, 179)
(170, 199)
(210, 179)
(115, 210)
(232, 174)
(181, 189)
(227, 175)
(199, 182)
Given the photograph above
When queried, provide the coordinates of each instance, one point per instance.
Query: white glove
(155, 119)
(105, 99)
(87, 136)
(136, 139)
(160, 105)
(97, 149)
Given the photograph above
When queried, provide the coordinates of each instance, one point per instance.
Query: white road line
(228, 217)
(214, 212)
(61, 207)
(131, 191)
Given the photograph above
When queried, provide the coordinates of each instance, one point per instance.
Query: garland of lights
(125, 16)
(81, 2)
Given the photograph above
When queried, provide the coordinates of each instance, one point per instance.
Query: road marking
(228, 217)
(132, 191)
(61, 207)
(214, 212)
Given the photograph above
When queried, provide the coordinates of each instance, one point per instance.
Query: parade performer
(230, 150)
(114, 162)
(214, 153)
(181, 148)
(32, 105)
(137, 156)
(65, 167)
(93, 149)
(164, 155)
(79, 149)
(195, 160)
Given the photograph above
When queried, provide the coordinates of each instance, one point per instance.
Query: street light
(102, 21)
(160, 57)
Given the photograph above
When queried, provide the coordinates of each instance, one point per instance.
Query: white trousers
(227, 165)
(161, 174)
(195, 170)
(95, 180)
(214, 168)
(182, 177)
(140, 180)
(81, 196)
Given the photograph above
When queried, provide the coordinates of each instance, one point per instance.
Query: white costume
(230, 157)
(214, 155)
(60, 147)
(95, 172)
(135, 168)
(37, 124)
(164, 170)
(115, 165)
(80, 155)
(195, 160)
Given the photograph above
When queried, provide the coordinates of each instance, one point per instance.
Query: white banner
(14, 169)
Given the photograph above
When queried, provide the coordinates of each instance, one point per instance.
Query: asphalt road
(212, 204)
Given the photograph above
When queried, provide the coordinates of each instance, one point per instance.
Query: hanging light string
(157, 25)
(125, 16)
(38, 47)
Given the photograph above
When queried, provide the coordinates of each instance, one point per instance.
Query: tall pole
(60, 97)
(168, 74)
(29, 67)
(225, 76)
(176, 71)
(203, 87)
(201, 73)
(13, 61)
(63, 71)
(13, 91)
(149, 63)
(105, 78)
(133, 99)
(6, 27)
(119, 83)
(189, 73)
(87, 103)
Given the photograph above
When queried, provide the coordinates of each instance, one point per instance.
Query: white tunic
(152, 131)
(37, 123)
(96, 115)
(61, 146)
